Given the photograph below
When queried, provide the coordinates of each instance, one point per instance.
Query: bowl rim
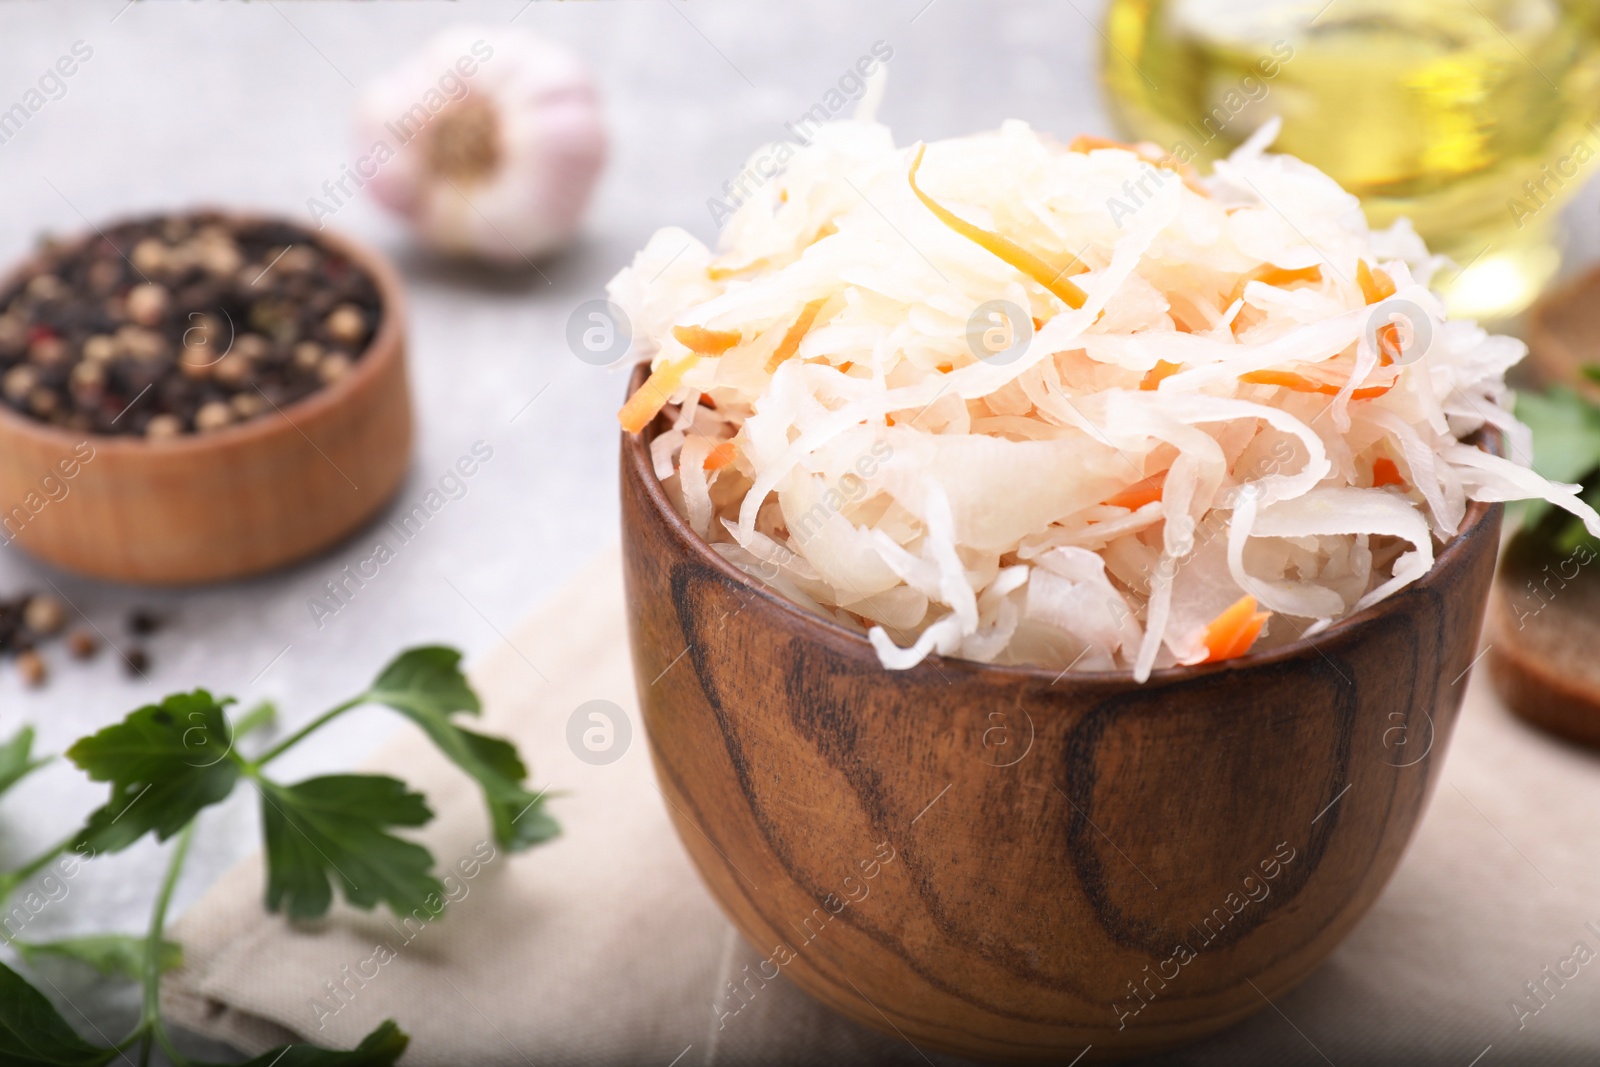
(637, 465)
(381, 349)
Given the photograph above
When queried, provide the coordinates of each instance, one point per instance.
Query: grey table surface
(250, 105)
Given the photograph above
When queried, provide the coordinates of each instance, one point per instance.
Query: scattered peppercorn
(185, 315)
(27, 619)
(31, 666)
(144, 622)
(82, 645)
(44, 615)
(136, 661)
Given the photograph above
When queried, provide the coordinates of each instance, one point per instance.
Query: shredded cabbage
(1187, 428)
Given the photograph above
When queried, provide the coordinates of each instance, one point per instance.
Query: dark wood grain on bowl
(1011, 863)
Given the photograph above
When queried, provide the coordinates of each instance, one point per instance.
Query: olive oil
(1476, 119)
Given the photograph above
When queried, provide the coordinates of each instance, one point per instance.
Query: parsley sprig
(1566, 448)
(166, 763)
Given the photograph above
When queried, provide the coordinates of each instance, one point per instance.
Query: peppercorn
(44, 402)
(334, 365)
(18, 383)
(219, 257)
(347, 325)
(143, 621)
(163, 427)
(47, 351)
(149, 256)
(136, 661)
(31, 666)
(251, 346)
(147, 303)
(44, 615)
(100, 348)
(82, 645)
(232, 369)
(213, 416)
(88, 381)
(248, 405)
(141, 343)
(197, 362)
(104, 277)
(13, 332)
(45, 287)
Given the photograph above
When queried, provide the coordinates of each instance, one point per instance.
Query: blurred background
(251, 105)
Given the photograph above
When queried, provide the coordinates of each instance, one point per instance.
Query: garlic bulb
(489, 141)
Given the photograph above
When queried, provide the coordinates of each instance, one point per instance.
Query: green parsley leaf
(1566, 433)
(426, 679)
(381, 1048)
(165, 762)
(16, 759)
(113, 955)
(334, 827)
(33, 1033)
(426, 685)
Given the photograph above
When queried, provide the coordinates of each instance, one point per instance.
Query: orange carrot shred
(844, 368)
(1280, 277)
(708, 401)
(1389, 346)
(1139, 494)
(1248, 635)
(720, 456)
(1301, 384)
(1386, 472)
(1088, 142)
(704, 342)
(721, 273)
(796, 333)
(1159, 373)
(648, 400)
(1375, 284)
(1001, 246)
(1231, 633)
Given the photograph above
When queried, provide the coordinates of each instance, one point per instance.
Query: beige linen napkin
(604, 949)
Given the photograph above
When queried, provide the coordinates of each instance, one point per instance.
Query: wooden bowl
(244, 499)
(1563, 328)
(1541, 651)
(1543, 623)
(1012, 864)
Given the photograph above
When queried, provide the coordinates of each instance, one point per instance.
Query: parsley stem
(258, 717)
(305, 731)
(151, 1017)
(11, 880)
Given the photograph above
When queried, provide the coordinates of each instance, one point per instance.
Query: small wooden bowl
(1563, 328)
(1541, 651)
(1011, 864)
(1541, 634)
(224, 504)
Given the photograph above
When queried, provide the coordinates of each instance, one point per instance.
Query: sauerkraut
(1069, 405)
